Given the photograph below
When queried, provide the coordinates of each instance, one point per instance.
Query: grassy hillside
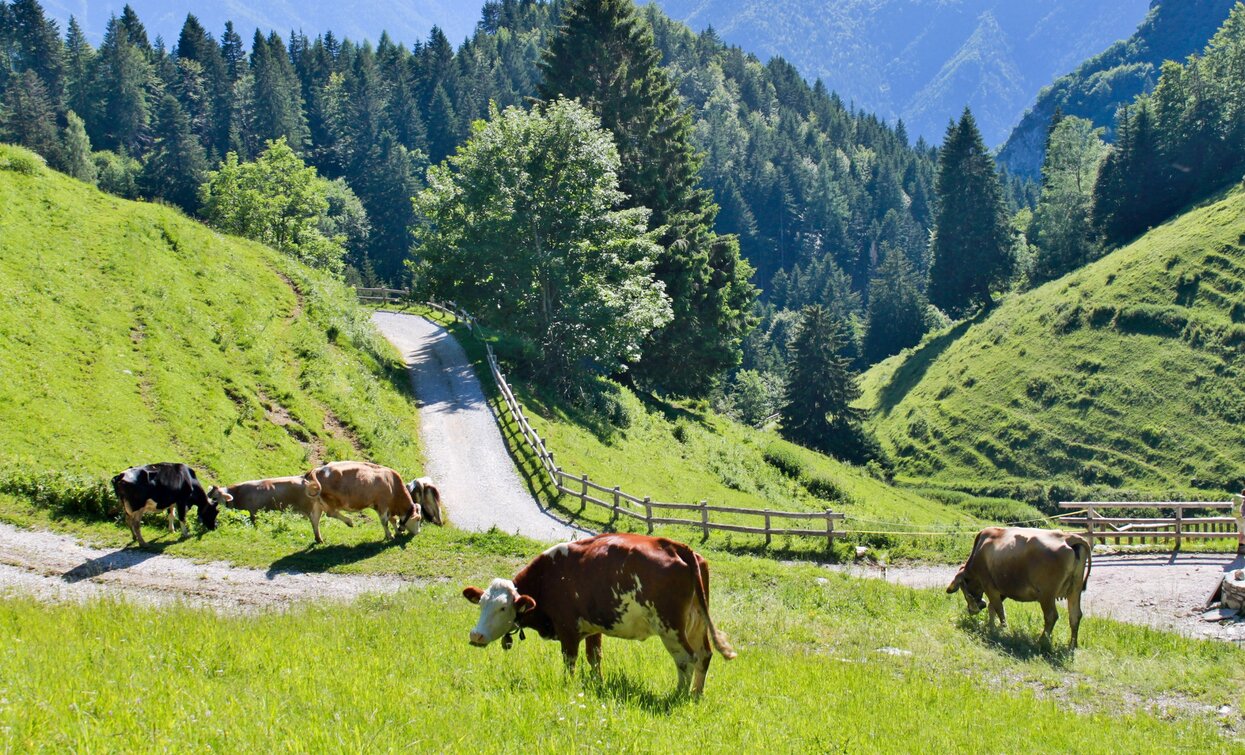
(826, 664)
(131, 334)
(1125, 374)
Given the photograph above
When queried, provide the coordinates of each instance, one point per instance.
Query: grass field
(132, 334)
(827, 663)
(1123, 376)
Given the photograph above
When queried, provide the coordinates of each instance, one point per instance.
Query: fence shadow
(321, 558)
(1019, 644)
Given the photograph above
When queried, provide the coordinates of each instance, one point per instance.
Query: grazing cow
(428, 498)
(627, 586)
(356, 486)
(162, 487)
(253, 496)
(1026, 565)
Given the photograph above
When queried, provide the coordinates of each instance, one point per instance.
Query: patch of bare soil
(55, 567)
(1164, 590)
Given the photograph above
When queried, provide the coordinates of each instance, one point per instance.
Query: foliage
(77, 150)
(897, 308)
(1179, 144)
(604, 56)
(821, 387)
(526, 230)
(1114, 381)
(1061, 230)
(1172, 30)
(276, 200)
(176, 166)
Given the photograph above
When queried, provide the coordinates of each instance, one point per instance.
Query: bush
(20, 161)
(65, 494)
(784, 460)
(1151, 320)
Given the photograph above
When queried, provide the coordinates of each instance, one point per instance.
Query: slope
(1173, 30)
(130, 334)
(1124, 374)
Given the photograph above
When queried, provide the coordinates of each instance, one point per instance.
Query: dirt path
(1157, 589)
(56, 567)
(467, 457)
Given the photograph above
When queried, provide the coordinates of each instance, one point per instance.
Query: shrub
(1151, 320)
(63, 493)
(21, 161)
(784, 460)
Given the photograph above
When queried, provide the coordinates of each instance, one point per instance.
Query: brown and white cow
(627, 586)
(428, 498)
(1026, 565)
(273, 494)
(357, 486)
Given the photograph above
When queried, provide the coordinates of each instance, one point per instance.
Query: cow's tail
(1081, 545)
(700, 578)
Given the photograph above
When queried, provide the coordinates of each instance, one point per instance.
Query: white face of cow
(500, 606)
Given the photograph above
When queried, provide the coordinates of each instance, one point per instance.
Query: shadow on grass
(915, 366)
(1020, 645)
(630, 692)
(320, 558)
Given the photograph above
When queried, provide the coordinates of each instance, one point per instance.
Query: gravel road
(56, 567)
(466, 455)
(1163, 590)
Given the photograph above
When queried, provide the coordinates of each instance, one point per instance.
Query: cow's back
(1028, 564)
(274, 493)
(358, 485)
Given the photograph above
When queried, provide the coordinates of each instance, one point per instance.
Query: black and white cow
(167, 487)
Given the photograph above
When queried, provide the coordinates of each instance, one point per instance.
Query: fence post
(583, 481)
(767, 532)
(648, 513)
(1179, 518)
(704, 520)
(829, 529)
(1089, 524)
(614, 516)
(1238, 511)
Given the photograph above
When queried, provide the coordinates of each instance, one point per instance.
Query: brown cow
(428, 498)
(627, 586)
(356, 486)
(1026, 565)
(273, 494)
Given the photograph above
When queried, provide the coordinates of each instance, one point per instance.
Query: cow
(357, 486)
(1026, 565)
(253, 496)
(428, 498)
(626, 586)
(167, 487)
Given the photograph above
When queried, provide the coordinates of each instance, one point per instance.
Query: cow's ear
(473, 594)
(524, 604)
(955, 583)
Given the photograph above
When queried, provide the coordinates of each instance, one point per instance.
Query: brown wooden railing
(1177, 527)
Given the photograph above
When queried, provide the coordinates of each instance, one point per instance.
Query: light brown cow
(1026, 565)
(273, 494)
(428, 498)
(356, 486)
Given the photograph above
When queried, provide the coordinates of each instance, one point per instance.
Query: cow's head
(500, 608)
(971, 589)
(219, 496)
(411, 520)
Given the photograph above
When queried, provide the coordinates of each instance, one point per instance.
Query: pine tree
(120, 116)
(79, 62)
(817, 409)
(604, 55)
(196, 44)
(31, 118)
(896, 315)
(442, 126)
(971, 248)
(276, 96)
(176, 166)
(76, 147)
(38, 48)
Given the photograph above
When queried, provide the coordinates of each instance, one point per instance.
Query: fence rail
(1177, 528)
(383, 295)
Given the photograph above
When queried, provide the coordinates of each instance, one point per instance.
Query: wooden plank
(1145, 504)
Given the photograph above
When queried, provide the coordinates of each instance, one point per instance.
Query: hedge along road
(467, 458)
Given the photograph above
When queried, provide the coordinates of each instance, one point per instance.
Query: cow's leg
(684, 661)
(570, 651)
(254, 521)
(592, 644)
(1074, 614)
(182, 513)
(170, 511)
(314, 516)
(1051, 614)
(384, 522)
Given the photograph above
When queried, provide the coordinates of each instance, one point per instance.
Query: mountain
(1172, 30)
(133, 334)
(923, 60)
(1122, 375)
(406, 21)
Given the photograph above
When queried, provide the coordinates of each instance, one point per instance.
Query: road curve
(466, 455)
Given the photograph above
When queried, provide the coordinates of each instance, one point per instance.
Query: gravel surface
(466, 455)
(57, 568)
(1162, 590)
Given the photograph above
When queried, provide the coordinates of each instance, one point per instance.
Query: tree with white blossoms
(523, 226)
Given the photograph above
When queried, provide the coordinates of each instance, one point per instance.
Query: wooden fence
(383, 295)
(621, 504)
(1177, 527)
